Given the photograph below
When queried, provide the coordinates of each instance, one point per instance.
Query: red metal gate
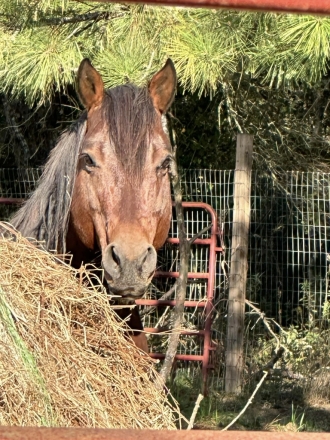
(206, 304)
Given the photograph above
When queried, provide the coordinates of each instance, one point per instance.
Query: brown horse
(106, 188)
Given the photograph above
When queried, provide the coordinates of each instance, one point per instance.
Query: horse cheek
(163, 228)
(164, 213)
(80, 219)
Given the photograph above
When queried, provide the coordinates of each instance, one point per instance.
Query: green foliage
(207, 46)
(263, 74)
(125, 61)
(202, 57)
(305, 348)
(294, 48)
(39, 63)
(326, 311)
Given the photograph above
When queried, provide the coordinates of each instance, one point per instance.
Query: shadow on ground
(276, 407)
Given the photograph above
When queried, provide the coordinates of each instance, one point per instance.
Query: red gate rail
(10, 201)
(206, 304)
(16, 433)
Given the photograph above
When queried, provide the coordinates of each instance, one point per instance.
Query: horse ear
(162, 87)
(90, 85)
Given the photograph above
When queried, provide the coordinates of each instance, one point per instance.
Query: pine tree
(265, 74)
(42, 43)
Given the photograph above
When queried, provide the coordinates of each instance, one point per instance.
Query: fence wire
(289, 250)
(16, 183)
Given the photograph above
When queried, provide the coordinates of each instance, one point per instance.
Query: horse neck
(79, 252)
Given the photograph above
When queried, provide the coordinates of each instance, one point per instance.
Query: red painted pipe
(10, 201)
(289, 6)
(168, 302)
(156, 331)
(210, 294)
(194, 275)
(197, 241)
(179, 357)
(16, 433)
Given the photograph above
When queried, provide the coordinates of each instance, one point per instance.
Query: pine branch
(90, 16)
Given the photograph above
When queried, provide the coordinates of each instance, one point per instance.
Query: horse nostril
(147, 263)
(115, 256)
(147, 255)
(112, 262)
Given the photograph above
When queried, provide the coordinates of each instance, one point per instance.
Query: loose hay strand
(64, 358)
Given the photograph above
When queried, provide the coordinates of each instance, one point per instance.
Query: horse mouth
(127, 293)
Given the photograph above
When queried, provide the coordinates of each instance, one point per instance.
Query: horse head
(121, 200)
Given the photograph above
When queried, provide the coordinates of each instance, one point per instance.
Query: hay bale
(64, 359)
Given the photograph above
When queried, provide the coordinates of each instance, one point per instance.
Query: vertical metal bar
(320, 239)
(325, 191)
(327, 250)
(292, 237)
(315, 229)
(301, 256)
(209, 305)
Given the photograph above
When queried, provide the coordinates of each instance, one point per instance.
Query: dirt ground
(286, 406)
(264, 418)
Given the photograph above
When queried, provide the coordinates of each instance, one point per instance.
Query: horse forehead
(157, 144)
(96, 135)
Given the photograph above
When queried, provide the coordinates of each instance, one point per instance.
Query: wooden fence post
(239, 264)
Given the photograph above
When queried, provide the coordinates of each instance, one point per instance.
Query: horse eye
(165, 165)
(88, 161)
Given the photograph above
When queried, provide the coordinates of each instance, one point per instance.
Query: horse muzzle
(128, 271)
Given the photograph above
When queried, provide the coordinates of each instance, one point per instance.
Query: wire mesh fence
(290, 247)
(16, 183)
(289, 252)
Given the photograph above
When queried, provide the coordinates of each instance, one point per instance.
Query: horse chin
(125, 301)
(126, 296)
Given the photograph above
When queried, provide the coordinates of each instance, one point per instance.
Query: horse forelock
(131, 118)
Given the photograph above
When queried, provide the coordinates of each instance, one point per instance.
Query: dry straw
(64, 359)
